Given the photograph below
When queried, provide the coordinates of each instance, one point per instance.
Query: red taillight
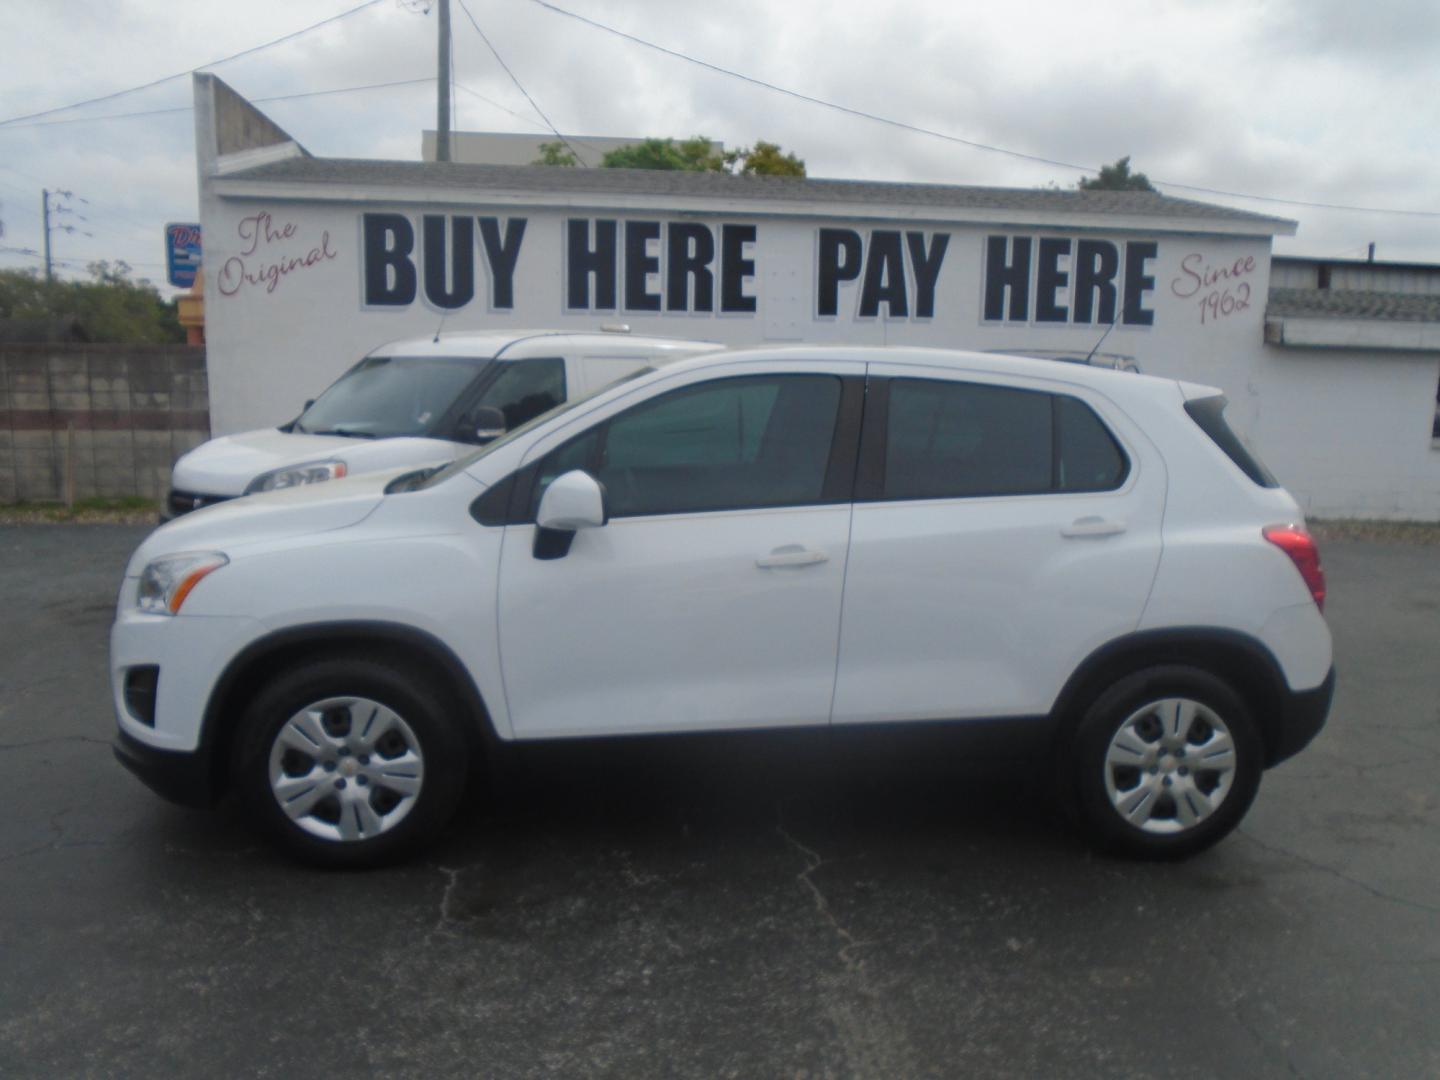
(1300, 546)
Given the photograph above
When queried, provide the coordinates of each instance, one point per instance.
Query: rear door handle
(791, 555)
(1093, 525)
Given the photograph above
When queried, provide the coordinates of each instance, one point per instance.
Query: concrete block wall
(134, 409)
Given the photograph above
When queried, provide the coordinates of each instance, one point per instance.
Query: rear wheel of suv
(1166, 763)
(350, 761)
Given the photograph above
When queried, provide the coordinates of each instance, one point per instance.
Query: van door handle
(791, 555)
(1093, 525)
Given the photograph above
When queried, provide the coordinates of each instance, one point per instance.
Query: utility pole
(45, 207)
(62, 206)
(442, 87)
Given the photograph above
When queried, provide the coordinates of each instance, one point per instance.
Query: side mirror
(488, 422)
(573, 501)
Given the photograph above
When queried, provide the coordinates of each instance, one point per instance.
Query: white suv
(1077, 564)
(421, 401)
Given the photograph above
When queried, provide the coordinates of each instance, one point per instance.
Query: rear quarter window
(1209, 414)
(948, 440)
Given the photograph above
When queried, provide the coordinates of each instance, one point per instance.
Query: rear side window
(954, 440)
(1089, 459)
(1209, 414)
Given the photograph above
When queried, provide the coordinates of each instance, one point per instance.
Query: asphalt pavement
(751, 911)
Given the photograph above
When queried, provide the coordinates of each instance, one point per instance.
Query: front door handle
(791, 555)
(1093, 525)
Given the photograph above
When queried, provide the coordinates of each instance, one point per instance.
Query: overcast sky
(1326, 101)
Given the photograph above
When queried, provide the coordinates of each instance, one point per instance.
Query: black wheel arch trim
(221, 716)
(1288, 719)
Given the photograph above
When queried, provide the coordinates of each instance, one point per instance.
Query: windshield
(462, 463)
(385, 396)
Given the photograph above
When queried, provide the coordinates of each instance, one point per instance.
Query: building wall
(279, 336)
(1348, 431)
(1349, 275)
(133, 408)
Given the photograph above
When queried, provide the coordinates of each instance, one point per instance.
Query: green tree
(1117, 177)
(110, 307)
(695, 155)
(688, 155)
(556, 153)
(764, 159)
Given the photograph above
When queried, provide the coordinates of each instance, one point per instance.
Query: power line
(188, 108)
(496, 104)
(932, 133)
(189, 71)
(147, 228)
(500, 60)
(519, 116)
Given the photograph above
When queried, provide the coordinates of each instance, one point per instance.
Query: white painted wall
(271, 347)
(1347, 433)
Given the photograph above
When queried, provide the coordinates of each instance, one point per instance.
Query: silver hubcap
(1170, 765)
(346, 768)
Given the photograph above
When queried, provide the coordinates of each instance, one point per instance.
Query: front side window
(956, 440)
(385, 396)
(739, 443)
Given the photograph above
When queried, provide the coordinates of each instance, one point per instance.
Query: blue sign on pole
(182, 253)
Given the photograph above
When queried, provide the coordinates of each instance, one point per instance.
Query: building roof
(1352, 304)
(1356, 264)
(675, 184)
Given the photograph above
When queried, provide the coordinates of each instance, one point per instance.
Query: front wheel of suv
(1166, 763)
(350, 761)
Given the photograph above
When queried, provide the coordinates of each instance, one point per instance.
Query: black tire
(431, 718)
(1087, 766)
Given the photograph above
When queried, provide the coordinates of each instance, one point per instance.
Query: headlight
(293, 475)
(166, 582)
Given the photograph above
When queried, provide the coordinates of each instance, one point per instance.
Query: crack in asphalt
(445, 921)
(57, 841)
(1242, 1018)
(54, 739)
(813, 862)
(1375, 891)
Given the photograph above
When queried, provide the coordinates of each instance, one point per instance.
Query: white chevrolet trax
(422, 401)
(1081, 565)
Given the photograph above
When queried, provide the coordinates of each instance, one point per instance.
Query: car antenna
(1091, 354)
(436, 339)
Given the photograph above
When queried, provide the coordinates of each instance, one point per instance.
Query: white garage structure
(310, 263)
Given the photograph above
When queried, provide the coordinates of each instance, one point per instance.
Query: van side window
(948, 440)
(526, 388)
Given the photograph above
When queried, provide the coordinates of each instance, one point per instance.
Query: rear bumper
(180, 776)
(1302, 715)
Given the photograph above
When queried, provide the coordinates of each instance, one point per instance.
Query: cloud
(1400, 33)
(1323, 100)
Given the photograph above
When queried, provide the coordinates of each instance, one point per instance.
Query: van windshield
(385, 396)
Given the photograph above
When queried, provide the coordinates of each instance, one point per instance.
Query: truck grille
(182, 502)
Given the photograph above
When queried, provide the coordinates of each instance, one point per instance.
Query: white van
(418, 402)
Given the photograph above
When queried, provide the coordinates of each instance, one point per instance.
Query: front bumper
(183, 502)
(182, 777)
(1302, 715)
